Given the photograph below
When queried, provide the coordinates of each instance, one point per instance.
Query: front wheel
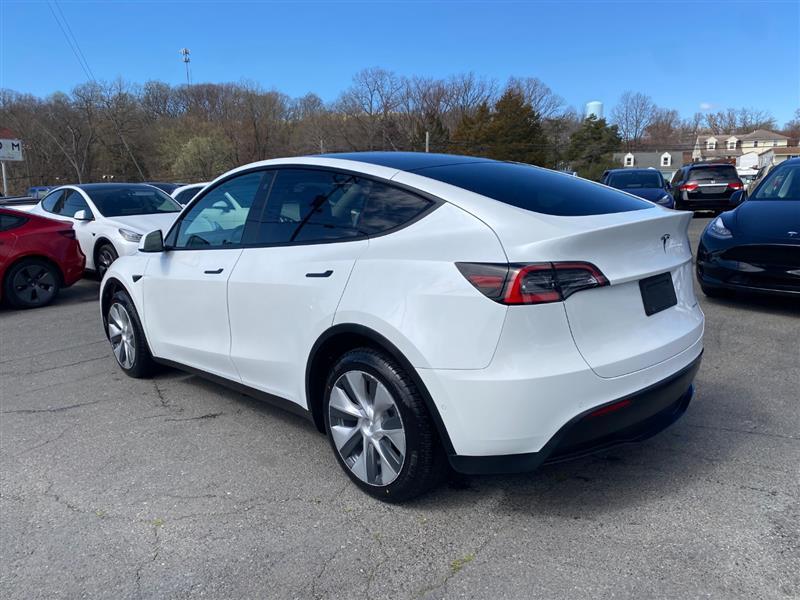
(31, 283)
(127, 337)
(379, 427)
(104, 257)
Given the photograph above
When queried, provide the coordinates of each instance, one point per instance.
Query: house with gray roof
(666, 161)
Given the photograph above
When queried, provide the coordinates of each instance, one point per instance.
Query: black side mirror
(152, 242)
(738, 197)
(667, 185)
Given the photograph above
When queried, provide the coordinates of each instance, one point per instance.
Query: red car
(38, 257)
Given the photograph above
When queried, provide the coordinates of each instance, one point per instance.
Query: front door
(185, 287)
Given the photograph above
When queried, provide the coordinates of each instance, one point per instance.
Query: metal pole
(321, 146)
(427, 141)
(5, 183)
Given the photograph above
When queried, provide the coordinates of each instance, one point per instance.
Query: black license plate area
(658, 293)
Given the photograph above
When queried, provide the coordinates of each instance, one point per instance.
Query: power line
(72, 41)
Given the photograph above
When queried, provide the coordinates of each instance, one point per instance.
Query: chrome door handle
(327, 273)
(214, 272)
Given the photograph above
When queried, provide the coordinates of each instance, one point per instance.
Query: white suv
(423, 309)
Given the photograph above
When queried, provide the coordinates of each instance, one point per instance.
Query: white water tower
(595, 107)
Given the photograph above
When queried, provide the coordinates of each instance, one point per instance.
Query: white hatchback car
(423, 309)
(109, 218)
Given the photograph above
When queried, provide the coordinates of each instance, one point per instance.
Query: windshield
(127, 201)
(780, 184)
(636, 180)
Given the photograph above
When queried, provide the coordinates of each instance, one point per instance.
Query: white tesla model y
(423, 309)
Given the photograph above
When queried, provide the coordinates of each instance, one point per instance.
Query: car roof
(406, 161)
(709, 165)
(88, 187)
(633, 170)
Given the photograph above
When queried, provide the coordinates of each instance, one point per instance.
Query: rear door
(285, 289)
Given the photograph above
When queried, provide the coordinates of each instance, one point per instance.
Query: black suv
(705, 186)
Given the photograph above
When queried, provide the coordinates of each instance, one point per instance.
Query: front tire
(31, 283)
(379, 427)
(127, 339)
(104, 257)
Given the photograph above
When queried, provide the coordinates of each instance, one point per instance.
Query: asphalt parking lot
(178, 488)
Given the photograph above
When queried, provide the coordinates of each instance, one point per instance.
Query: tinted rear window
(715, 173)
(635, 180)
(535, 189)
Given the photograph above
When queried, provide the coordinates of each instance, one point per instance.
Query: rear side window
(10, 221)
(535, 189)
(50, 201)
(713, 174)
(186, 195)
(307, 205)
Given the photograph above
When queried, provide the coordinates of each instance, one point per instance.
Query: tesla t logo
(792, 233)
(664, 239)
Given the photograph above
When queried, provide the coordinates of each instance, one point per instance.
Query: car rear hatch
(634, 322)
(712, 183)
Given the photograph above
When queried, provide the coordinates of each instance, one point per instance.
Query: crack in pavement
(206, 416)
(64, 366)
(49, 441)
(746, 431)
(33, 411)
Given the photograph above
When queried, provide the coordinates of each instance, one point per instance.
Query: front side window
(218, 219)
(73, 202)
(780, 184)
(307, 205)
(50, 201)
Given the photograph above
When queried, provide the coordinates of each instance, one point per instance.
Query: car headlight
(129, 235)
(717, 229)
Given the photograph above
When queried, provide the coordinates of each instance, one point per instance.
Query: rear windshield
(635, 180)
(126, 201)
(714, 173)
(538, 190)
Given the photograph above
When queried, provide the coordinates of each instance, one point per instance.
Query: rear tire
(125, 332)
(379, 427)
(31, 283)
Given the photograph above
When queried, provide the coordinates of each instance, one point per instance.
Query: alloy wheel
(122, 336)
(35, 284)
(366, 428)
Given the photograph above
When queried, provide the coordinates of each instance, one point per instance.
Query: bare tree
(633, 114)
(539, 95)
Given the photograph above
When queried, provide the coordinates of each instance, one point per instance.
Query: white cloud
(706, 106)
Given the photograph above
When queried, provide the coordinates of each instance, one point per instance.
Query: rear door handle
(214, 272)
(327, 273)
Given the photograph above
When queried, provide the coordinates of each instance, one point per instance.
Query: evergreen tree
(515, 132)
(470, 136)
(439, 136)
(591, 147)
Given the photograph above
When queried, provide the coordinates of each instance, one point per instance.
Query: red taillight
(70, 233)
(536, 283)
(689, 186)
(610, 408)
(735, 185)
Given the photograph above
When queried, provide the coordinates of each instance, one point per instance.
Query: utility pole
(5, 183)
(427, 141)
(185, 52)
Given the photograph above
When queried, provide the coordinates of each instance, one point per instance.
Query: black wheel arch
(101, 241)
(347, 336)
(112, 286)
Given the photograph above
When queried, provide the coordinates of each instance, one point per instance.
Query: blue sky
(686, 55)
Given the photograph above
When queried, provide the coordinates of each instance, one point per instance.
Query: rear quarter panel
(407, 288)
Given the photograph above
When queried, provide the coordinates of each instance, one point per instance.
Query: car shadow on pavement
(627, 476)
(85, 290)
(768, 304)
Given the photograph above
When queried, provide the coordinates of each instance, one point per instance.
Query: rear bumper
(630, 419)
